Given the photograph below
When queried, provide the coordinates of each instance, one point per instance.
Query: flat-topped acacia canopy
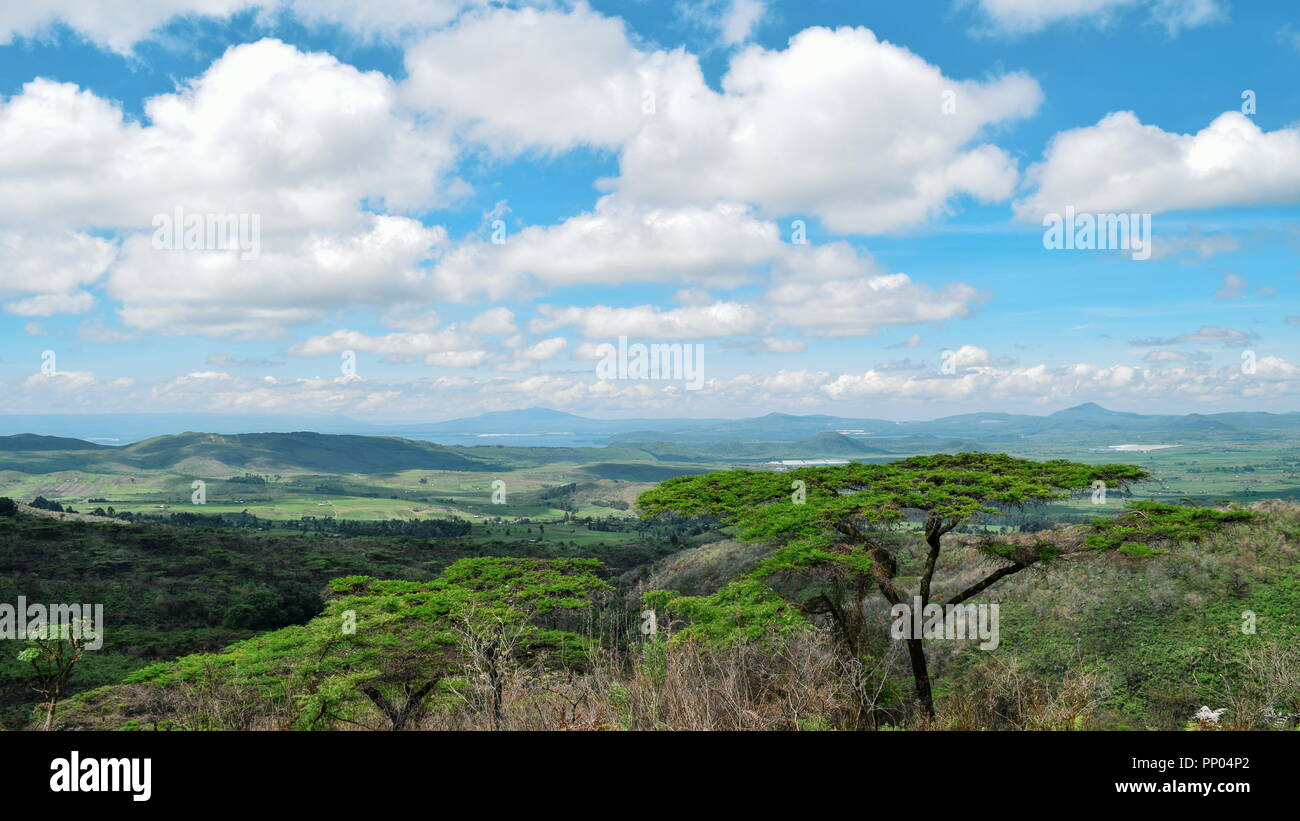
(844, 502)
(836, 520)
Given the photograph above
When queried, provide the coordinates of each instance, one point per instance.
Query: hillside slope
(327, 453)
(1107, 642)
(214, 454)
(32, 443)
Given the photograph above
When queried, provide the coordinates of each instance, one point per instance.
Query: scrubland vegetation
(767, 615)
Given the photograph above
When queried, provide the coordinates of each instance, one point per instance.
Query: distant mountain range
(784, 427)
(771, 437)
(213, 454)
(774, 427)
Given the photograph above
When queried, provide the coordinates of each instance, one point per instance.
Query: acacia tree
(394, 647)
(480, 618)
(53, 651)
(846, 529)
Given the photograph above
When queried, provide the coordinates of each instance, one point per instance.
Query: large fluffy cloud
(861, 133)
(1121, 164)
(294, 140)
(862, 305)
(615, 243)
(119, 28)
(106, 23)
(520, 79)
(840, 125)
(51, 271)
(826, 290)
(295, 281)
(299, 138)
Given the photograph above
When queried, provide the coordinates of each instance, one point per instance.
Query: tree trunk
(921, 674)
(412, 707)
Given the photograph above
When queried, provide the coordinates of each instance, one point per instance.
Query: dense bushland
(1115, 642)
(170, 590)
(1134, 621)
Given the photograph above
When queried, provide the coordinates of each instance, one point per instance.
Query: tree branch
(933, 534)
(883, 567)
(988, 581)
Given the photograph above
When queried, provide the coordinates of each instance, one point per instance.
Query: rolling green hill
(831, 443)
(303, 451)
(327, 453)
(32, 443)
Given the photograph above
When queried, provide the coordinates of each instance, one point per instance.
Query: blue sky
(645, 165)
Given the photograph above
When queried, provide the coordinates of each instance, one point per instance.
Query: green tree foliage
(8, 507)
(41, 503)
(395, 647)
(745, 610)
(1149, 528)
(53, 652)
(843, 533)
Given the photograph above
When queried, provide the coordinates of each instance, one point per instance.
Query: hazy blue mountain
(48, 442)
(831, 443)
(1091, 410)
(547, 420)
(124, 428)
(32, 443)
